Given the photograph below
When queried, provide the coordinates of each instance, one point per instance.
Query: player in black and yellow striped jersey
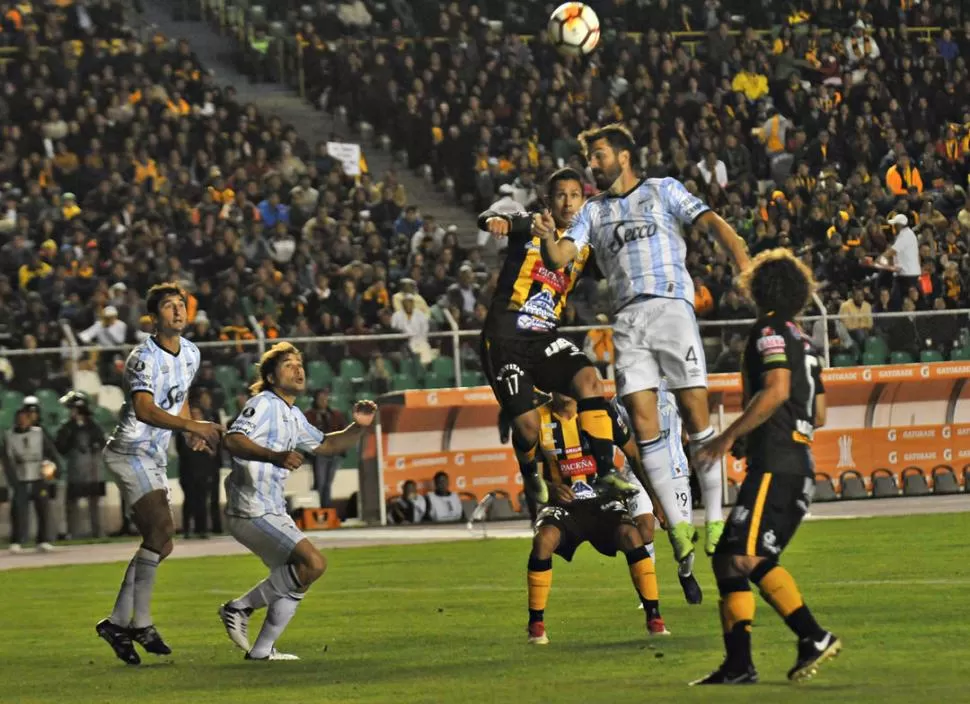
(780, 392)
(521, 348)
(576, 513)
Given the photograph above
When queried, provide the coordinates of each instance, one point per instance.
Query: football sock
(710, 479)
(595, 421)
(779, 589)
(540, 582)
(651, 551)
(659, 469)
(278, 615)
(737, 613)
(146, 564)
(644, 575)
(281, 581)
(125, 602)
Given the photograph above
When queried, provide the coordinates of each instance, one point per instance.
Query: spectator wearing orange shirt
(903, 177)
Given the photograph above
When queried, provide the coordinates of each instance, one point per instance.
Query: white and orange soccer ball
(574, 28)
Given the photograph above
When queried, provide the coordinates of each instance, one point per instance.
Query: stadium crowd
(815, 135)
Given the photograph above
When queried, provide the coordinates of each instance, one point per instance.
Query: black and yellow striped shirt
(529, 297)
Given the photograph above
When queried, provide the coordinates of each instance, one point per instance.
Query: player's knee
(545, 542)
(587, 383)
(629, 538)
(166, 549)
(316, 565)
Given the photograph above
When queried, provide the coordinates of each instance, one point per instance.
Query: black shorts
(593, 520)
(769, 510)
(514, 365)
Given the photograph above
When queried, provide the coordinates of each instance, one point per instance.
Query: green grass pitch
(445, 623)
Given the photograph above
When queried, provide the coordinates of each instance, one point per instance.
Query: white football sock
(278, 615)
(281, 581)
(146, 564)
(125, 602)
(709, 478)
(659, 468)
(686, 566)
(651, 551)
(680, 486)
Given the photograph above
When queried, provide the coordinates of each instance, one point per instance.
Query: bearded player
(778, 423)
(521, 348)
(636, 229)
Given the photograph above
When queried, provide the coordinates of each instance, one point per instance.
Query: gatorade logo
(892, 435)
(461, 482)
(924, 371)
(893, 457)
(867, 374)
(946, 432)
(460, 459)
(947, 454)
(433, 398)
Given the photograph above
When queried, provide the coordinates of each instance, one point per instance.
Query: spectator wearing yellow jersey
(750, 82)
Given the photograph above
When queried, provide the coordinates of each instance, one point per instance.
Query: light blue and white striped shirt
(671, 426)
(255, 488)
(638, 239)
(167, 377)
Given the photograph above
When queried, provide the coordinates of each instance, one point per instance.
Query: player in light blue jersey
(158, 374)
(642, 505)
(265, 443)
(636, 228)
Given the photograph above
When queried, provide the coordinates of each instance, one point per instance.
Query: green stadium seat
(7, 415)
(960, 354)
(443, 367)
(435, 381)
(11, 399)
(878, 345)
(410, 365)
(901, 358)
(927, 356)
(49, 399)
(340, 402)
(843, 359)
(319, 373)
(342, 385)
(228, 378)
(404, 382)
(352, 368)
(54, 416)
(873, 358)
(303, 402)
(472, 378)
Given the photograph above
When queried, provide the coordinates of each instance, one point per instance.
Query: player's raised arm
(557, 253)
(505, 224)
(341, 441)
(691, 210)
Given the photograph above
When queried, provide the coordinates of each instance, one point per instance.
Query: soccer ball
(574, 28)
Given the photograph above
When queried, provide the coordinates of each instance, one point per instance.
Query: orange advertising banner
(473, 471)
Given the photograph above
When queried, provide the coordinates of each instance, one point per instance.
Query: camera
(76, 400)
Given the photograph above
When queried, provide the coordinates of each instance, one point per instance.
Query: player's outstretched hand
(290, 459)
(211, 433)
(543, 226)
(363, 413)
(709, 456)
(498, 226)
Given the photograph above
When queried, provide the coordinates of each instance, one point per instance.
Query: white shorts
(658, 337)
(137, 475)
(271, 537)
(640, 504)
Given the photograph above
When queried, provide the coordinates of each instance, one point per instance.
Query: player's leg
(308, 565)
(525, 442)
(595, 419)
(152, 516)
(785, 499)
(643, 573)
(680, 353)
(137, 480)
(551, 527)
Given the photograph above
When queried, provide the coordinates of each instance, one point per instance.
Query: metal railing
(71, 357)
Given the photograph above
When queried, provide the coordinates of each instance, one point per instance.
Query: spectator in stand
(326, 419)
(409, 507)
(904, 254)
(856, 315)
(415, 324)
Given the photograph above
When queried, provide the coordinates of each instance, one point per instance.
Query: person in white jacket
(415, 325)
